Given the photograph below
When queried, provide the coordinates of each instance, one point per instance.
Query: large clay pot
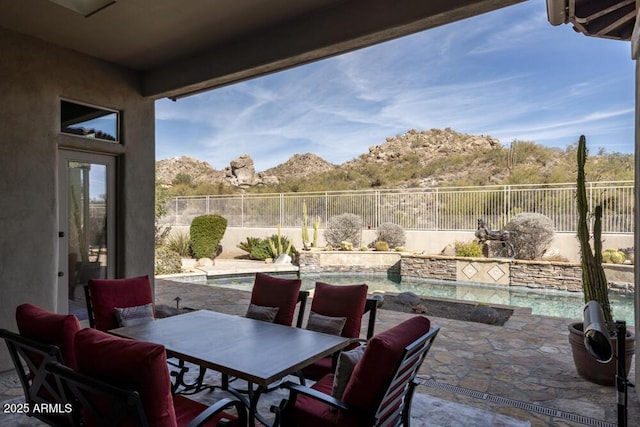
(588, 367)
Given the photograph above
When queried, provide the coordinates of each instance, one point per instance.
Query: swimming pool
(543, 302)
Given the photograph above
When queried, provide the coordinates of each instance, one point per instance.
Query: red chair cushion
(107, 294)
(49, 328)
(372, 375)
(134, 365)
(309, 412)
(269, 291)
(341, 301)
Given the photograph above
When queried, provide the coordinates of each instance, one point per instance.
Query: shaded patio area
(522, 371)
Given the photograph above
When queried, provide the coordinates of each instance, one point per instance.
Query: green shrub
(249, 244)
(261, 251)
(363, 248)
(401, 249)
(391, 233)
(328, 248)
(613, 256)
(346, 246)
(206, 233)
(178, 241)
(382, 246)
(167, 261)
(468, 249)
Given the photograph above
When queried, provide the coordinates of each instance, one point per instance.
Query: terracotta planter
(588, 367)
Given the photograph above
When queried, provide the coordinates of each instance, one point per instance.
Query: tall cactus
(594, 280)
(305, 228)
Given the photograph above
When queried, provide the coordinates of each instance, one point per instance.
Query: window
(89, 122)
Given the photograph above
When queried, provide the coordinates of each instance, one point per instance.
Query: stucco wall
(33, 77)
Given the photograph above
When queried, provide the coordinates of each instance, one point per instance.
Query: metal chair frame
(88, 395)
(30, 358)
(395, 407)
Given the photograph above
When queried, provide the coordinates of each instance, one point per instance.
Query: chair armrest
(218, 407)
(295, 389)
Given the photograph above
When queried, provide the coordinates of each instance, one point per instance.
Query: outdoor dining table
(256, 351)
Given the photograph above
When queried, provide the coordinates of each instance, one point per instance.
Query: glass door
(87, 229)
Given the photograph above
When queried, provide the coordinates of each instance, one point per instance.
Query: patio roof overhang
(180, 48)
(612, 19)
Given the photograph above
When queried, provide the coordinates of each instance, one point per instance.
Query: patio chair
(377, 392)
(103, 296)
(281, 296)
(273, 299)
(125, 382)
(347, 302)
(44, 337)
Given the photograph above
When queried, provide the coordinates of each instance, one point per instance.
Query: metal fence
(443, 208)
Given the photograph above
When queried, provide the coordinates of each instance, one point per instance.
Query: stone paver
(528, 361)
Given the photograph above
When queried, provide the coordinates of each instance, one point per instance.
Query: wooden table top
(250, 349)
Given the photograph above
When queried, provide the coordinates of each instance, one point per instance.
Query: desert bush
(531, 234)
(346, 246)
(178, 241)
(364, 248)
(391, 233)
(261, 249)
(401, 249)
(468, 249)
(167, 261)
(613, 256)
(344, 227)
(249, 244)
(206, 232)
(382, 246)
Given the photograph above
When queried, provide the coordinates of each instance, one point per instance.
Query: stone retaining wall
(500, 272)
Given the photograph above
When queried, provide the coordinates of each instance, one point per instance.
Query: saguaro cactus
(594, 280)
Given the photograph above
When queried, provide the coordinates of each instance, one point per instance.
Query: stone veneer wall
(532, 274)
(349, 262)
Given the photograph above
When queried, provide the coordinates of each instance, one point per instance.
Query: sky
(508, 74)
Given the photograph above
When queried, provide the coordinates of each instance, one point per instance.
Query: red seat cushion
(341, 301)
(134, 365)
(107, 294)
(49, 328)
(269, 291)
(372, 375)
(309, 412)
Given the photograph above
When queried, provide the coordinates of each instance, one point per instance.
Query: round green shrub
(363, 248)
(613, 256)
(167, 261)
(471, 249)
(382, 246)
(206, 232)
(346, 246)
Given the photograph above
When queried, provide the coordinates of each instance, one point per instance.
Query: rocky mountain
(426, 145)
(301, 166)
(416, 158)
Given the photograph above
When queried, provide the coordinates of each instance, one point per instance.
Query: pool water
(542, 302)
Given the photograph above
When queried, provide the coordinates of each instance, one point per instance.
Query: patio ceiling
(612, 19)
(183, 47)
